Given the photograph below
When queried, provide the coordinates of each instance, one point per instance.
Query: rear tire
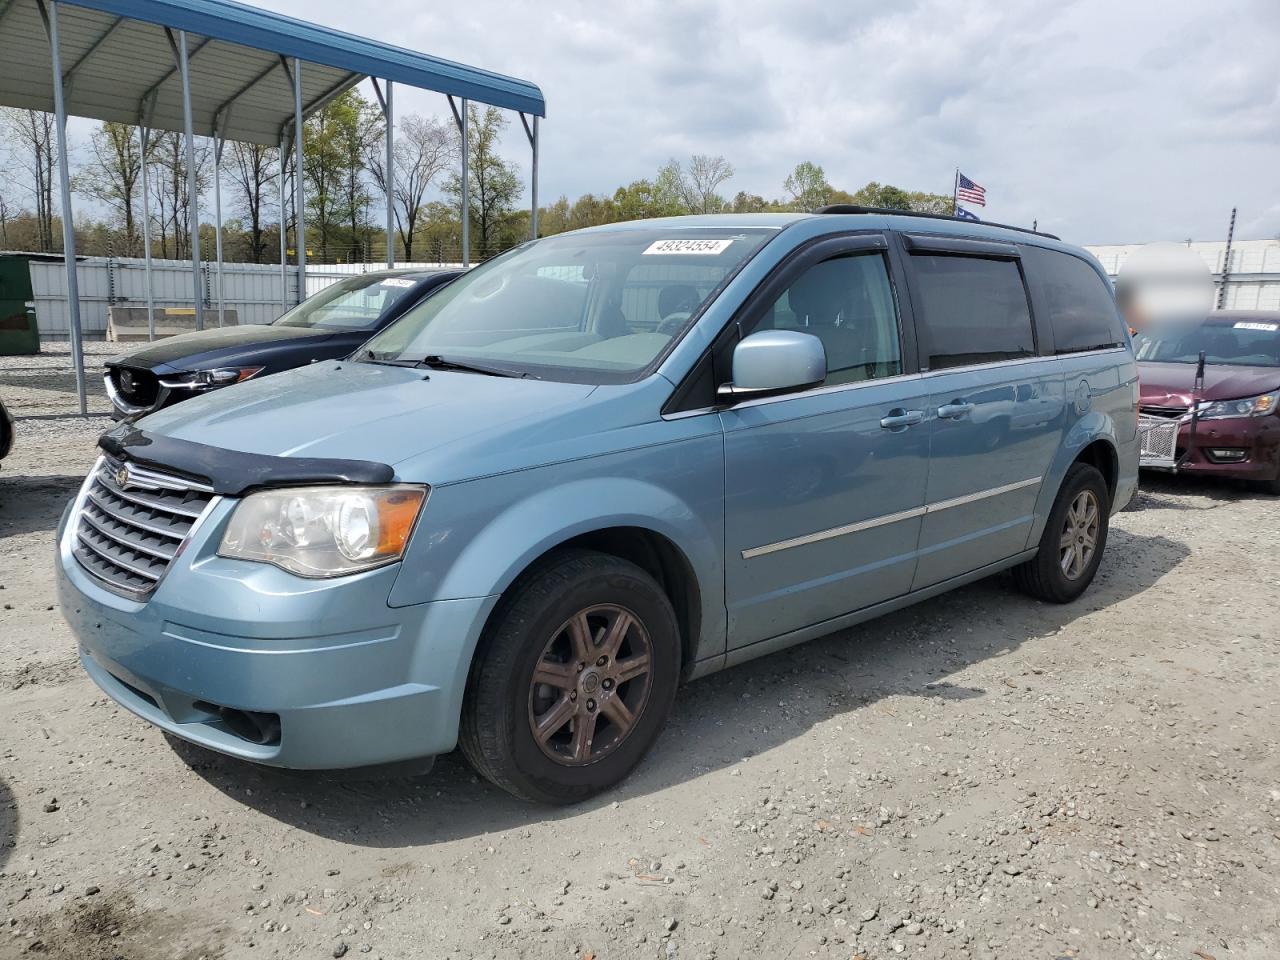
(1074, 538)
(573, 679)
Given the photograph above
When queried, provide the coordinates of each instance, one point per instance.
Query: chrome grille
(127, 534)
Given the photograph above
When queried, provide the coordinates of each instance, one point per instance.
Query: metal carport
(224, 70)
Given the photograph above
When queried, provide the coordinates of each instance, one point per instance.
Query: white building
(1254, 280)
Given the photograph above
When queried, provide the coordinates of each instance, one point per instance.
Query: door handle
(900, 419)
(955, 410)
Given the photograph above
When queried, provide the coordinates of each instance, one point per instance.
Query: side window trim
(909, 272)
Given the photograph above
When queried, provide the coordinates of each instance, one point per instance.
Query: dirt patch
(100, 927)
(979, 776)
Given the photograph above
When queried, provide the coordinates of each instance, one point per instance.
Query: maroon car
(1235, 430)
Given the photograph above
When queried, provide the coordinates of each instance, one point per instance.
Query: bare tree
(703, 179)
(253, 167)
(424, 149)
(114, 176)
(172, 206)
(33, 138)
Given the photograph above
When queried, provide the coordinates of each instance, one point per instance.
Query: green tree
(358, 128)
(494, 183)
(325, 165)
(645, 198)
(883, 195)
(114, 177)
(744, 202)
(808, 187)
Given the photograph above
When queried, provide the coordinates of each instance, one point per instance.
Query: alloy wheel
(1079, 539)
(590, 684)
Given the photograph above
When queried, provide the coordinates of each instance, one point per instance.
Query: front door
(995, 410)
(824, 489)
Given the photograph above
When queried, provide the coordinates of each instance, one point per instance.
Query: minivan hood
(1170, 384)
(451, 422)
(202, 349)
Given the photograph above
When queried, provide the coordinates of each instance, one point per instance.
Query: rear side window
(972, 310)
(1081, 309)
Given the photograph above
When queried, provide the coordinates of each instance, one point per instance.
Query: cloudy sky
(1106, 120)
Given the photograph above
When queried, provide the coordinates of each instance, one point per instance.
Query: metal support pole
(466, 186)
(144, 136)
(218, 144)
(64, 184)
(193, 190)
(284, 237)
(533, 179)
(299, 199)
(532, 133)
(1226, 262)
(391, 179)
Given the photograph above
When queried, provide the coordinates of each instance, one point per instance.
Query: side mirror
(775, 361)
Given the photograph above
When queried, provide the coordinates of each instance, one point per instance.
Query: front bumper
(1253, 442)
(332, 676)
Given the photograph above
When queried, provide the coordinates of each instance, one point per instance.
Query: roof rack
(856, 208)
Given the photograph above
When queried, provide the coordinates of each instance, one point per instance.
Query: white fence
(252, 290)
(1254, 282)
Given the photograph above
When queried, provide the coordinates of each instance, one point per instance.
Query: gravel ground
(979, 776)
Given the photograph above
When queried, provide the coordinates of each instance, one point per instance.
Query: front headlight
(324, 531)
(1247, 407)
(209, 379)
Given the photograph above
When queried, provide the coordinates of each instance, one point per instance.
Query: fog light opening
(1227, 454)
(260, 728)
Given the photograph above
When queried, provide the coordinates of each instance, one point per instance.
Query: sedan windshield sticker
(1254, 325)
(396, 282)
(705, 247)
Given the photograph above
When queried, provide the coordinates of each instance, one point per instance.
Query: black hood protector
(232, 473)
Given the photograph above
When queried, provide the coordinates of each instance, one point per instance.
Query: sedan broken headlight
(324, 531)
(1247, 407)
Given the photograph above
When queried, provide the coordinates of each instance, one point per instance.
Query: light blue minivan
(597, 465)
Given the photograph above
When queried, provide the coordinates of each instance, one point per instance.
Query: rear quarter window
(971, 310)
(1081, 310)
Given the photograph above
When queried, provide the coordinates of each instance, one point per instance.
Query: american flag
(970, 192)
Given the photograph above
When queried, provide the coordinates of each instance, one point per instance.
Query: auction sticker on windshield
(1254, 325)
(396, 282)
(705, 247)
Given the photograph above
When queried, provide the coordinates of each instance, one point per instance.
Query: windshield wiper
(437, 362)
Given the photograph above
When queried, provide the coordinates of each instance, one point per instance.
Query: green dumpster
(18, 331)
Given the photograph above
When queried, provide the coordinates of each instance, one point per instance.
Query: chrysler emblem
(122, 477)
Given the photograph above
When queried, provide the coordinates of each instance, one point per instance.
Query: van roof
(859, 217)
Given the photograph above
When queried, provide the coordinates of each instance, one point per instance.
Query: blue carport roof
(117, 65)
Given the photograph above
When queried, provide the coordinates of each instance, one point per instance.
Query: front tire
(573, 680)
(1074, 538)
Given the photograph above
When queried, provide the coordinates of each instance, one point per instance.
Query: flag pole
(955, 192)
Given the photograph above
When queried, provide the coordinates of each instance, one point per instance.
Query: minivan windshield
(1233, 341)
(353, 304)
(595, 307)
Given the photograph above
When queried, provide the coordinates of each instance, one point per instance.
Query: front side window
(1082, 311)
(847, 302)
(597, 307)
(972, 310)
(354, 304)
